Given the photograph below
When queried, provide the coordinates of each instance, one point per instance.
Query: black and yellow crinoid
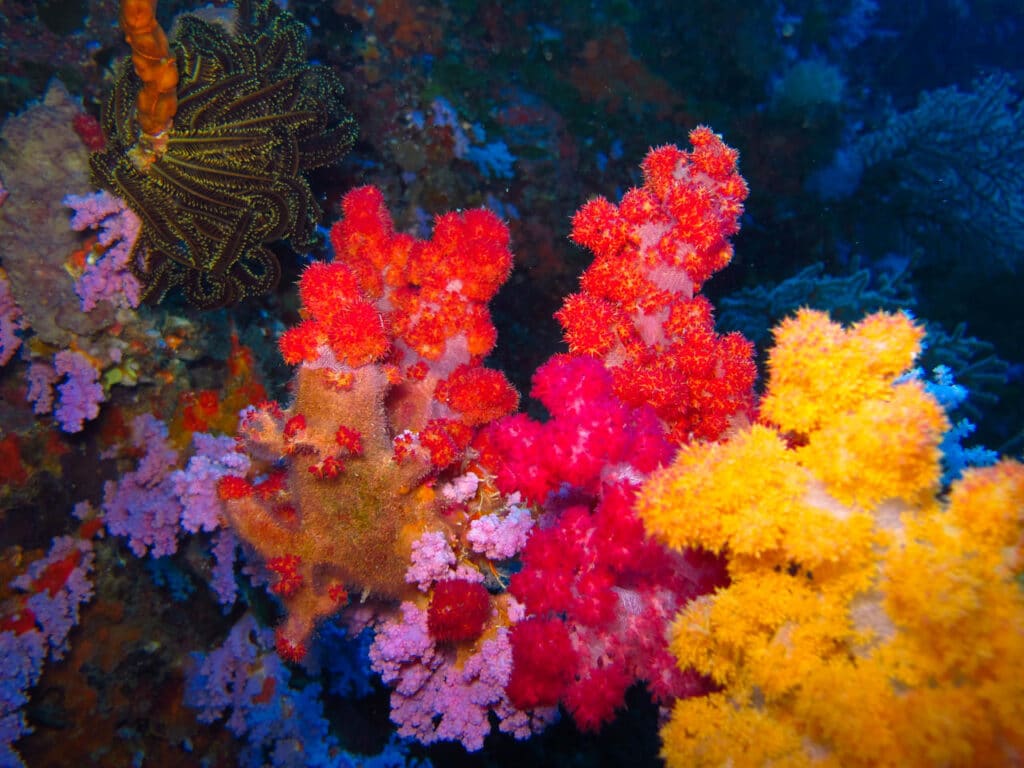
(253, 115)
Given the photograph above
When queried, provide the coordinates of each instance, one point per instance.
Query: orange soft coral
(157, 68)
(867, 622)
(387, 398)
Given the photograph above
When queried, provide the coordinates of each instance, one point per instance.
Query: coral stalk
(389, 351)
(157, 68)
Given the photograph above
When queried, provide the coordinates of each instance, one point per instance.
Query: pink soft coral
(438, 695)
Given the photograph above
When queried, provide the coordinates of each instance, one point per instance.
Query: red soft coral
(543, 660)
(478, 394)
(459, 608)
(637, 310)
(590, 566)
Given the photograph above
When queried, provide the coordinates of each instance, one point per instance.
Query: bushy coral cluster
(34, 625)
(154, 503)
(645, 370)
(830, 604)
(446, 692)
(445, 652)
(388, 395)
(868, 621)
(598, 594)
(638, 308)
(75, 376)
(244, 683)
(106, 272)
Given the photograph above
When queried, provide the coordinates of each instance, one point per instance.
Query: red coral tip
(459, 608)
(289, 650)
(294, 426)
(233, 487)
(349, 440)
(289, 579)
(328, 469)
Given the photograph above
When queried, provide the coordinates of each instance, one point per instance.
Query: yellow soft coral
(819, 369)
(884, 448)
(869, 621)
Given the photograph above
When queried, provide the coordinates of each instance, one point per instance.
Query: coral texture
(867, 622)
(637, 309)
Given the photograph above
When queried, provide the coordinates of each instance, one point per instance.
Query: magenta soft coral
(459, 609)
(598, 594)
(592, 434)
(594, 579)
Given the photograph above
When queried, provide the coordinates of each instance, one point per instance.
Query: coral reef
(308, 527)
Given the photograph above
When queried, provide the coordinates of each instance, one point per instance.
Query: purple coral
(41, 378)
(143, 505)
(59, 583)
(80, 392)
(246, 682)
(435, 698)
(196, 488)
(222, 574)
(196, 485)
(22, 664)
(432, 560)
(56, 586)
(10, 321)
(152, 503)
(109, 278)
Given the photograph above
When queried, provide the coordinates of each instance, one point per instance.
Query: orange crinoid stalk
(157, 68)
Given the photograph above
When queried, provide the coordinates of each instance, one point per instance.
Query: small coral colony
(788, 571)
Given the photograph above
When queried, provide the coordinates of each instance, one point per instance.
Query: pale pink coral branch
(436, 698)
(500, 537)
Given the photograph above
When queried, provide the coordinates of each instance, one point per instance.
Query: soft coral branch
(638, 310)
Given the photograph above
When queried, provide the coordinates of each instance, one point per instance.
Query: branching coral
(867, 622)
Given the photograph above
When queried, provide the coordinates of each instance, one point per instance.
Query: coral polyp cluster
(868, 620)
(638, 309)
(389, 351)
